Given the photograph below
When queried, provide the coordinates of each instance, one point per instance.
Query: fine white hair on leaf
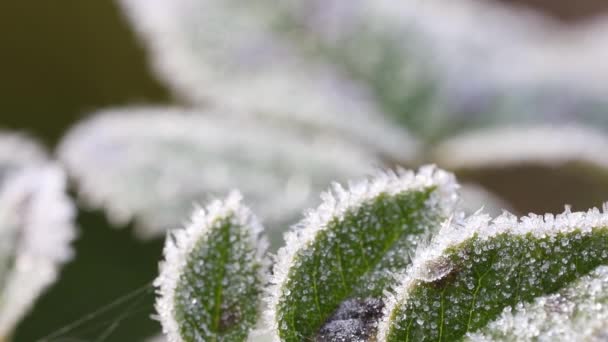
(233, 53)
(575, 313)
(474, 197)
(152, 164)
(540, 250)
(338, 204)
(36, 216)
(220, 251)
(551, 145)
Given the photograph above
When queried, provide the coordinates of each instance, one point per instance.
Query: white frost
(576, 313)
(35, 204)
(152, 164)
(459, 229)
(233, 53)
(17, 151)
(337, 201)
(181, 242)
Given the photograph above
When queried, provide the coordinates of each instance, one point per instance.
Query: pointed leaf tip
(211, 280)
(349, 248)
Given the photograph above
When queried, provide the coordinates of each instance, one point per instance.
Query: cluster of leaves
(392, 258)
(280, 98)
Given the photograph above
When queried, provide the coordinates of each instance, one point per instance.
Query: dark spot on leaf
(355, 320)
(447, 279)
(230, 317)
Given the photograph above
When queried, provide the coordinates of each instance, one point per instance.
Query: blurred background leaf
(58, 61)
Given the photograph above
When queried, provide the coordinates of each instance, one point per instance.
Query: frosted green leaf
(211, 280)
(568, 157)
(330, 277)
(577, 312)
(152, 164)
(486, 267)
(36, 229)
(241, 54)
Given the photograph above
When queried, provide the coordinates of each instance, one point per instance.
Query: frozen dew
(164, 160)
(210, 283)
(577, 312)
(350, 249)
(495, 264)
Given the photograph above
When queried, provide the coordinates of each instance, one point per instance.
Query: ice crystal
(36, 226)
(351, 245)
(153, 164)
(474, 197)
(210, 282)
(492, 265)
(575, 313)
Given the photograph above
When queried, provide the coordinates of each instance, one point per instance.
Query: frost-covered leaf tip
(484, 266)
(211, 280)
(330, 277)
(36, 229)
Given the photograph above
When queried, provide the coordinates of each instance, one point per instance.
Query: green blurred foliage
(60, 60)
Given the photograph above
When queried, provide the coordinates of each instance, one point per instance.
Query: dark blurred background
(60, 60)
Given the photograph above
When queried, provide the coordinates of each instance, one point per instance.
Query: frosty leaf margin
(210, 283)
(483, 266)
(352, 244)
(575, 313)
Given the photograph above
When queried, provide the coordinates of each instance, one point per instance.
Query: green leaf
(210, 283)
(474, 269)
(575, 313)
(164, 159)
(339, 260)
